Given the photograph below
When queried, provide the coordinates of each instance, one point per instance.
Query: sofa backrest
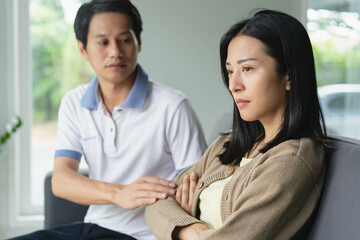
(338, 214)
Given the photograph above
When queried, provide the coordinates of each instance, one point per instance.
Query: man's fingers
(153, 187)
(145, 201)
(157, 180)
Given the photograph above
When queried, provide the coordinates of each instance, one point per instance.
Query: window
(335, 34)
(337, 103)
(57, 67)
(28, 41)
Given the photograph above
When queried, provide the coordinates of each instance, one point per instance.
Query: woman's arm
(165, 215)
(190, 232)
(185, 198)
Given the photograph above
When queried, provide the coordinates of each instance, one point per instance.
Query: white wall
(180, 46)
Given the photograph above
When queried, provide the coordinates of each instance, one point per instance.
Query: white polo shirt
(155, 132)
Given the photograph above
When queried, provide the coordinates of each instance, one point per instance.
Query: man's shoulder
(76, 93)
(162, 91)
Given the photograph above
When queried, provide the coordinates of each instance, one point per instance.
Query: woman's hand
(190, 232)
(185, 192)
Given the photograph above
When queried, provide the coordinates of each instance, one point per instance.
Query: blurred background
(40, 62)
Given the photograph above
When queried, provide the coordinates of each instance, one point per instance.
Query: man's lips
(241, 102)
(116, 65)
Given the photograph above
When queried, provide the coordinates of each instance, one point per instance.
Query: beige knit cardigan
(271, 197)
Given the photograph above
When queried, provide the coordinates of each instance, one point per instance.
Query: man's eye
(102, 43)
(126, 40)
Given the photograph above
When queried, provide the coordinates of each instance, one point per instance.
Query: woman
(263, 179)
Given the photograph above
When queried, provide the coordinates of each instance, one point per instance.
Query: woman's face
(258, 90)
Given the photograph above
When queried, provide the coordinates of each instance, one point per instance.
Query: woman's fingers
(192, 188)
(186, 191)
(178, 196)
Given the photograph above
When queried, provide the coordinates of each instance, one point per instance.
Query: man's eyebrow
(242, 61)
(101, 35)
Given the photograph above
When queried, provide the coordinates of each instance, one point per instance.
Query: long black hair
(287, 42)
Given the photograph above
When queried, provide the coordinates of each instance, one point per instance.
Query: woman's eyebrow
(242, 61)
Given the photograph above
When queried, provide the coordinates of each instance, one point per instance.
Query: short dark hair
(87, 11)
(287, 42)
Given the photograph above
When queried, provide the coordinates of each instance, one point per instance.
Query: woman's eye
(247, 69)
(229, 72)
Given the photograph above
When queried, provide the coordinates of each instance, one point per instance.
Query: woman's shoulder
(304, 151)
(298, 147)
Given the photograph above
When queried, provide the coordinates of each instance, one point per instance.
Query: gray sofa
(338, 213)
(59, 211)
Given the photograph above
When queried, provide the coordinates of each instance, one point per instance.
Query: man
(134, 133)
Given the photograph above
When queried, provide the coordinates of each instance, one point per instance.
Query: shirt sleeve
(68, 137)
(185, 137)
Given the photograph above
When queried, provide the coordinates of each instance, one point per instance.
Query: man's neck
(114, 94)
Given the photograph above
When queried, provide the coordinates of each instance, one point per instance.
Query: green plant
(11, 127)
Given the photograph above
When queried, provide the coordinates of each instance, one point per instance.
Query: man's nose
(116, 50)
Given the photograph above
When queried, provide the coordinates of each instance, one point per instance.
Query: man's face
(112, 48)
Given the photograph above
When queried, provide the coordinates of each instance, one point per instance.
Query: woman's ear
(288, 83)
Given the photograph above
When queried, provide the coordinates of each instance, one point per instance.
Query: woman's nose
(235, 82)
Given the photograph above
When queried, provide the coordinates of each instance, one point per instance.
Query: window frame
(16, 62)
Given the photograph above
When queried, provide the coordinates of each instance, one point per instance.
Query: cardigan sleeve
(278, 200)
(163, 216)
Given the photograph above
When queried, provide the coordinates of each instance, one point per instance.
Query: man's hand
(144, 191)
(185, 192)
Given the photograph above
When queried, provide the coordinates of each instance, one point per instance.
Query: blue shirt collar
(135, 99)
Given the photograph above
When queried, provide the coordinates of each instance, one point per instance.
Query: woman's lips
(241, 103)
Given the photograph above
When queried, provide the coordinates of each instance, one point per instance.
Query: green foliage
(335, 66)
(11, 128)
(337, 59)
(330, 64)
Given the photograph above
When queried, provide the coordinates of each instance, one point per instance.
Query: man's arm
(69, 184)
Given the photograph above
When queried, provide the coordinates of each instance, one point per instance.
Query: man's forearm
(77, 188)
(71, 185)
